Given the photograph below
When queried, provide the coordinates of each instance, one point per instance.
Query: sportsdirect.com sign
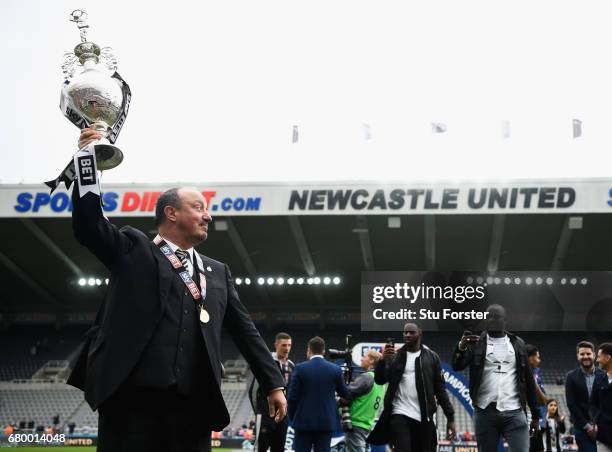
(553, 196)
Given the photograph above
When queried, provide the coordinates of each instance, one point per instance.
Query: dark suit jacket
(577, 397)
(312, 401)
(601, 407)
(474, 357)
(140, 282)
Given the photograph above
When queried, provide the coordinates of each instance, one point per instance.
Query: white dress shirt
(499, 376)
(406, 400)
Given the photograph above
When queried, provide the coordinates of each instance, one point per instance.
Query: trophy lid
(85, 50)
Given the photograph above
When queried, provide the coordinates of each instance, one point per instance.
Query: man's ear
(170, 213)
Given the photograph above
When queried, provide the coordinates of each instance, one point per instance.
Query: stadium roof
(42, 262)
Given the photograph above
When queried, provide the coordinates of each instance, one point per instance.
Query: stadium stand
(26, 349)
(27, 392)
(38, 402)
(235, 369)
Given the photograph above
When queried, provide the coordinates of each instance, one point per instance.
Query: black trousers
(152, 420)
(271, 435)
(408, 435)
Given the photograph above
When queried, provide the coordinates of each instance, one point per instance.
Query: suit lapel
(212, 277)
(165, 273)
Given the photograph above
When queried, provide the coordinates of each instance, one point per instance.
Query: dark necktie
(184, 257)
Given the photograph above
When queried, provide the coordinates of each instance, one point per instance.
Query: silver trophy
(93, 95)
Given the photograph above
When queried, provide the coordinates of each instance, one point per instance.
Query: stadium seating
(27, 348)
(38, 402)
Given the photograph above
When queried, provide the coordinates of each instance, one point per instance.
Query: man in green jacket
(366, 400)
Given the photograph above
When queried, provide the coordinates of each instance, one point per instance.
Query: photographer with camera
(415, 386)
(365, 399)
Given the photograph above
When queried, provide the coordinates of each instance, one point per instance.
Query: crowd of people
(31, 426)
(394, 399)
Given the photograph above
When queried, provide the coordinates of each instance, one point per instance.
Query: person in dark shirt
(271, 434)
(534, 360)
(578, 388)
(553, 426)
(502, 386)
(416, 387)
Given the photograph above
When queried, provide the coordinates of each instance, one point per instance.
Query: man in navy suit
(312, 399)
(578, 388)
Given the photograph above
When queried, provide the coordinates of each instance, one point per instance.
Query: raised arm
(383, 367)
(360, 386)
(341, 388)
(461, 358)
(93, 230)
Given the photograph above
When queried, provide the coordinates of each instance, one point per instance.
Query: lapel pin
(208, 268)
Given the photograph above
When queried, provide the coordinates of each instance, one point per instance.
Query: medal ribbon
(180, 270)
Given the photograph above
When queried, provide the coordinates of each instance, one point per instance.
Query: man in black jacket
(578, 388)
(601, 398)
(501, 384)
(151, 363)
(415, 385)
(271, 434)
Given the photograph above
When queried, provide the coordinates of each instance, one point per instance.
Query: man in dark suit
(151, 364)
(313, 411)
(601, 398)
(578, 387)
(272, 435)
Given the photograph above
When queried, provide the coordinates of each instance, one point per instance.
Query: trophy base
(107, 156)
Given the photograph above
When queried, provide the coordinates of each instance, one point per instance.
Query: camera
(347, 370)
(333, 353)
(346, 354)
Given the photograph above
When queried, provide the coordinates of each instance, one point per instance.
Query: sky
(218, 86)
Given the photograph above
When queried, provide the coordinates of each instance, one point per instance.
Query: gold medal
(204, 317)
